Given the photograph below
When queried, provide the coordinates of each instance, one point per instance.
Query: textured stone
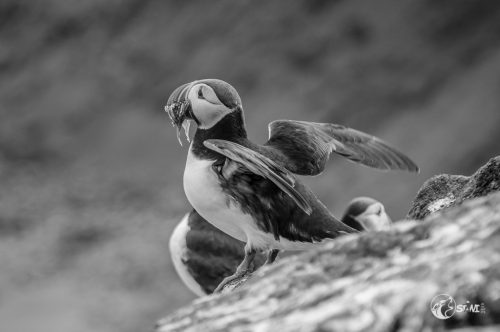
(373, 281)
(378, 281)
(443, 191)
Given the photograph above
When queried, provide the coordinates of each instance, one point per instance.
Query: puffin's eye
(200, 93)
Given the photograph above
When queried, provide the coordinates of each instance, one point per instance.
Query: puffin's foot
(271, 256)
(241, 270)
(227, 280)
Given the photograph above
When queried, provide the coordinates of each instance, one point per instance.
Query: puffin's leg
(241, 270)
(271, 256)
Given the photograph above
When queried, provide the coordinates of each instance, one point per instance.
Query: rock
(378, 281)
(443, 191)
(370, 281)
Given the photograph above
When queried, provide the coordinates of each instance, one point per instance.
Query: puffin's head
(365, 213)
(203, 101)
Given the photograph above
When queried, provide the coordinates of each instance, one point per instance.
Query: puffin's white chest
(203, 191)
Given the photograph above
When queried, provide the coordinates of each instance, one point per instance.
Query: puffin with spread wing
(251, 191)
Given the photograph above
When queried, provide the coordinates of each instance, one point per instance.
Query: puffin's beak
(179, 109)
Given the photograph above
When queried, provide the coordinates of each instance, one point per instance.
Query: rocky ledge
(443, 191)
(381, 281)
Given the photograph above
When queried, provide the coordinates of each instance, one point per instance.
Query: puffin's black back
(212, 254)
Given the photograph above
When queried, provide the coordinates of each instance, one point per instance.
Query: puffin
(366, 213)
(252, 191)
(203, 255)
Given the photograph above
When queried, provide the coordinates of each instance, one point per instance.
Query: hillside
(90, 170)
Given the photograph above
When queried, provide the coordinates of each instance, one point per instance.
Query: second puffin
(251, 191)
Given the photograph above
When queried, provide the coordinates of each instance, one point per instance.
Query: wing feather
(260, 165)
(307, 147)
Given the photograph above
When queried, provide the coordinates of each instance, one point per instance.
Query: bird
(366, 213)
(203, 255)
(252, 191)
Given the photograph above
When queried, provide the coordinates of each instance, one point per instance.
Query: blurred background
(90, 169)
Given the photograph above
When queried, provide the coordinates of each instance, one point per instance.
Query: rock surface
(381, 281)
(442, 191)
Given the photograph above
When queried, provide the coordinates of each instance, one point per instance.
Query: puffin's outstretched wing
(307, 146)
(260, 165)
